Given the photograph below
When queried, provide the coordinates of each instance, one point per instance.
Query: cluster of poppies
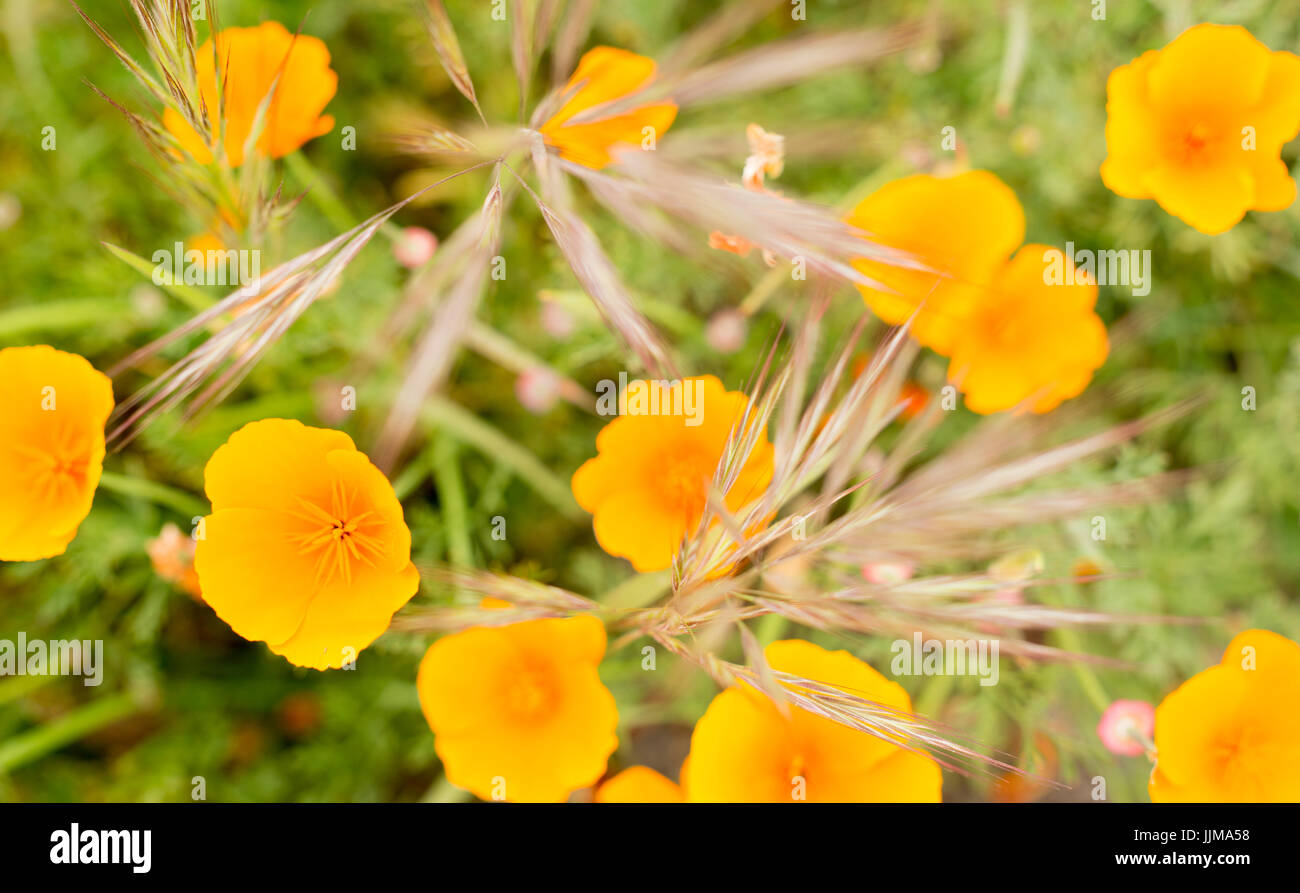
(307, 550)
(486, 689)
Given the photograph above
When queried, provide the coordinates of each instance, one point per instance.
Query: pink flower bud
(1126, 728)
(886, 573)
(415, 247)
(537, 389)
(556, 321)
(726, 331)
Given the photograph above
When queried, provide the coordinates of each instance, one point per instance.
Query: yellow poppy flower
(1199, 126)
(250, 61)
(1028, 339)
(648, 486)
(1231, 734)
(518, 712)
(640, 784)
(963, 227)
(306, 548)
(605, 74)
(744, 750)
(53, 406)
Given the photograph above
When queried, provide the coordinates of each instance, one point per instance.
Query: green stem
(196, 299)
(151, 491)
(16, 687)
(58, 316)
(411, 477)
(1091, 685)
(470, 429)
(32, 746)
(323, 196)
(451, 497)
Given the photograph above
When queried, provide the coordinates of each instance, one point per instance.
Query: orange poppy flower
(649, 484)
(1199, 127)
(640, 784)
(250, 61)
(518, 712)
(744, 750)
(53, 406)
(1231, 734)
(1027, 339)
(605, 74)
(962, 227)
(306, 548)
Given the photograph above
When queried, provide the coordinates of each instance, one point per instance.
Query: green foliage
(184, 697)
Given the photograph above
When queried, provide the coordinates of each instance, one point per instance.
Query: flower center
(60, 470)
(340, 536)
(1245, 760)
(796, 777)
(685, 484)
(797, 766)
(529, 695)
(65, 471)
(1198, 140)
(1009, 330)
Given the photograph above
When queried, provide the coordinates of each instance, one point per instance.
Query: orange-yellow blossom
(306, 548)
(251, 60)
(1028, 340)
(606, 74)
(963, 228)
(648, 485)
(1199, 126)
(640, 784)
(1231, 734)
(744, 750)
(53, 406)
(518, 711)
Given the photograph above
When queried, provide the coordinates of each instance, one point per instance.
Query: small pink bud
(537, 389)
(1126, 728)
(886, 573)
(726, 331)
(556, 321)
(415, 247)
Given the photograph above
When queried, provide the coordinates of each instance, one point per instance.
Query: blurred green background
(184, 697)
